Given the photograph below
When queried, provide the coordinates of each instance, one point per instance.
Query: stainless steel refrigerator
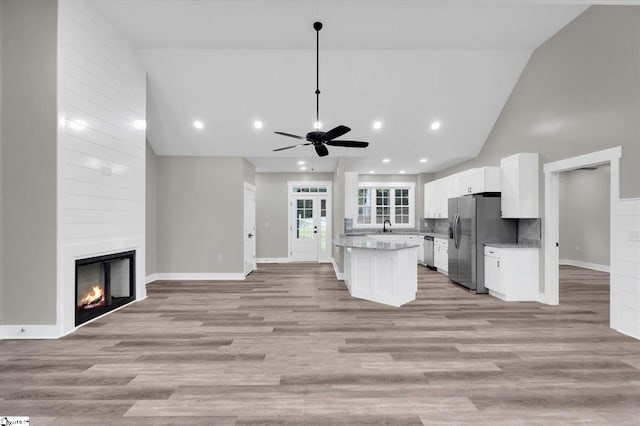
(473, 222)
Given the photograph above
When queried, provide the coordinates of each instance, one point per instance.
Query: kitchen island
(380, 271)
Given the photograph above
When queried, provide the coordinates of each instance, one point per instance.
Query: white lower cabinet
(441, 254)
(511, 274)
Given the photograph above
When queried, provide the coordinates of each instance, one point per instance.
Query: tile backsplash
(529, 229)
(437, 226)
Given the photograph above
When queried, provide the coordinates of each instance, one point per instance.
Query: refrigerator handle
(455, 234)
(457, 228)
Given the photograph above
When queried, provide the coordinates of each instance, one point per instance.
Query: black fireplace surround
(104, 283)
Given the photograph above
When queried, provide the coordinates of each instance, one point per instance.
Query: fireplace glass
(104, 283)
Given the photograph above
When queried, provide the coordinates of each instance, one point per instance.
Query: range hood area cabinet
(519, 176)
(472, 181)
(481, 180)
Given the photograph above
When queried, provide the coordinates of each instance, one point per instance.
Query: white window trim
(389, 185)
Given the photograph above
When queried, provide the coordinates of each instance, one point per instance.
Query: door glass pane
(304, 219)
(323, 226)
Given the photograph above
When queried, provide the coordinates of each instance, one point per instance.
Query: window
(384, 201)
(309, 189)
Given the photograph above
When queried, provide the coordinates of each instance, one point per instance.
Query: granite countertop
(362, 242)
(357, 233)
(521, 244)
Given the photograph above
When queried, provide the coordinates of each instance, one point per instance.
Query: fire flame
(95, 296)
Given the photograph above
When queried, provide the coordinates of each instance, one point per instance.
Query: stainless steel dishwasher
(428, 252)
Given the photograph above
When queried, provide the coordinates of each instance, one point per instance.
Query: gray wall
(585, 216)
(151, 211)
(1, 290)
(272, 211)
(248, 172)
(200, 219)
(29, 125)
(579, 93)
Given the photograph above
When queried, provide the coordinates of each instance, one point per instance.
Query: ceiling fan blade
(290, 135)
(322, 150)
(336, 132)
(292, 146)
(349, 144)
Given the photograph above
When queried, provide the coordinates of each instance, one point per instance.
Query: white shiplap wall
(101, 153)
(625, 281)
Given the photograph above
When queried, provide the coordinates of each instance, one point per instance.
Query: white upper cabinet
(519, 176)
(477, 181)
(436, 198)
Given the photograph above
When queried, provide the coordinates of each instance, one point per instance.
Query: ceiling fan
(319, 139)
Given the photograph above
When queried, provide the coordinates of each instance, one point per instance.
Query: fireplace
(104, 283)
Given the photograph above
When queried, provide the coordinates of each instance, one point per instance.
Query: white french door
(310, 227)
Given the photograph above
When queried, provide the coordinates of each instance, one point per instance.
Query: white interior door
(249, 230)
(310, 228)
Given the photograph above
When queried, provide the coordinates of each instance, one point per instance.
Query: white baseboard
(272, 260)
(200, 276)
(151, 278)
(29, 331)
(581, 264)
(339, 275)
(629, 333)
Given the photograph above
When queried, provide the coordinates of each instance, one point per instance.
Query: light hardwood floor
(289, 346)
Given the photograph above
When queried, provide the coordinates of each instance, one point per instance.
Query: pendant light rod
(317, 26)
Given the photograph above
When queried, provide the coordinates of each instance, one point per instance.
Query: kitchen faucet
(384, 226)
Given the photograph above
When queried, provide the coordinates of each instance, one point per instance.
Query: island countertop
(362, 242)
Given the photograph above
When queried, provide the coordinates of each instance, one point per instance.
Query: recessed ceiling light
(385, 160)
(198, 124)
(303, 168)
(257, 124)
(423, 160)
(77, 124)
(140, 124)
(317, 125)
(372, 171)
(377, 125)
(435, 125)
(401, 172)
(300, 163)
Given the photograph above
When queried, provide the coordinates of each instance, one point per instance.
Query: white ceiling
(405, 63)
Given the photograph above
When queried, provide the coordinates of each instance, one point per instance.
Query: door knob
(250, 235)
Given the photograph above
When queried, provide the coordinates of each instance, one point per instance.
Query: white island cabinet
(380, 271)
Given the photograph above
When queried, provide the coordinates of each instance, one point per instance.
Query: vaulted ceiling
(405, 63)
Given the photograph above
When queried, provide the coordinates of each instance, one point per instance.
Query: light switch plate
(634, 236)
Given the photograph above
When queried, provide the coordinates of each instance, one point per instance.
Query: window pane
(300, 204)
(308, 204)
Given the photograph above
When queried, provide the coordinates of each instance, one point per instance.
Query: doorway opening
(584, 236)
(554, 238)
(309, 221)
